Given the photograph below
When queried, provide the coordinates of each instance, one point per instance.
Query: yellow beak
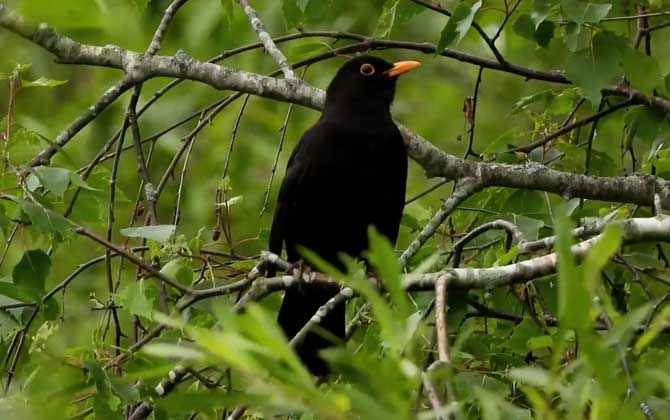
(401, 67)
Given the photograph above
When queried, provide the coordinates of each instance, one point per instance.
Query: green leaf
(394, 13)
(293, 15)
(53, 179)
(573, 299)
(545, 33)
(386, 19)
(127, 392)
(583, 12)
(179, 270)
(542, 33)
(317, 9)
(495, 407)
(31, 272)
(544, 97)
(523, 332)
(42, 82)
(174, 351)
(158, 233)
(593, 68)
(47, 222)
(572, 35)
(646, 123)
(642, 71)
(528, 226)
(385, 262)
(458, 25)
(502, 143)
(105, 401)
(12, 291)
(51, 309)
(541, 9)
(659, 322)
(135, 299)
(78, 181)
(600, 254)
(8, 325)
(307, 48)
(667, 84)
(102, 409)
(530, 375)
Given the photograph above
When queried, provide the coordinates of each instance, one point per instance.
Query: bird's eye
(367, 69)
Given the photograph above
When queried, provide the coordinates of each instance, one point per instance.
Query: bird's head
(366, 82)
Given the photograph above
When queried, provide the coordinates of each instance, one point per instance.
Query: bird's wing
(294, 171)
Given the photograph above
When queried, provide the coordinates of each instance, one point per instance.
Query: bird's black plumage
(347, 172)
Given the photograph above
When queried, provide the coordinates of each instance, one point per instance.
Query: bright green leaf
(574, 301)
(292, 13)
(593, 68)
(31, 272)
(53, 179)
(47, 222)
(645, 123)
(386, 19)
(42, 82)
(642, 71)
(542, 97)
(134, 298)
(179, 270)
(317, 9)
(600, 254)
(385, 262)
(583, 12)
(173, 351)
(531, 375)
(523, 332)
(458, 25)
(542, 33)
(158, 233)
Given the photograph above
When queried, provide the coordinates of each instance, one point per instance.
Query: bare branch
(513, 235)
(266, 39)
(463, 189)
(441, 319)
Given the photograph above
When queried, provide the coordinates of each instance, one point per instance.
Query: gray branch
(633, 230)
(266, 39)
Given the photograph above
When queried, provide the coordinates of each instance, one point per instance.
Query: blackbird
(348, 172)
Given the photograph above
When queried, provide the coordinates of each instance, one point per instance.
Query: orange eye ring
(367, 69)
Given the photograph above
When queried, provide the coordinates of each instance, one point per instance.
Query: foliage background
(430, 101)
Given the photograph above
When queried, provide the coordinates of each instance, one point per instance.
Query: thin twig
(569, 127)
(489, 42)
(280, 147)
(462, 190)
(472, 115)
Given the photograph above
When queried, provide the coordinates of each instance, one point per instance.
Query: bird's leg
(298, 269)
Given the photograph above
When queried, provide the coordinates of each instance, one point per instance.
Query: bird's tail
(298, 306)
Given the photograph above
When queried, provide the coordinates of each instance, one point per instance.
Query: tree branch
(266, 39)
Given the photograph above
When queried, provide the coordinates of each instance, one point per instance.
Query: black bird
(347, 172)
